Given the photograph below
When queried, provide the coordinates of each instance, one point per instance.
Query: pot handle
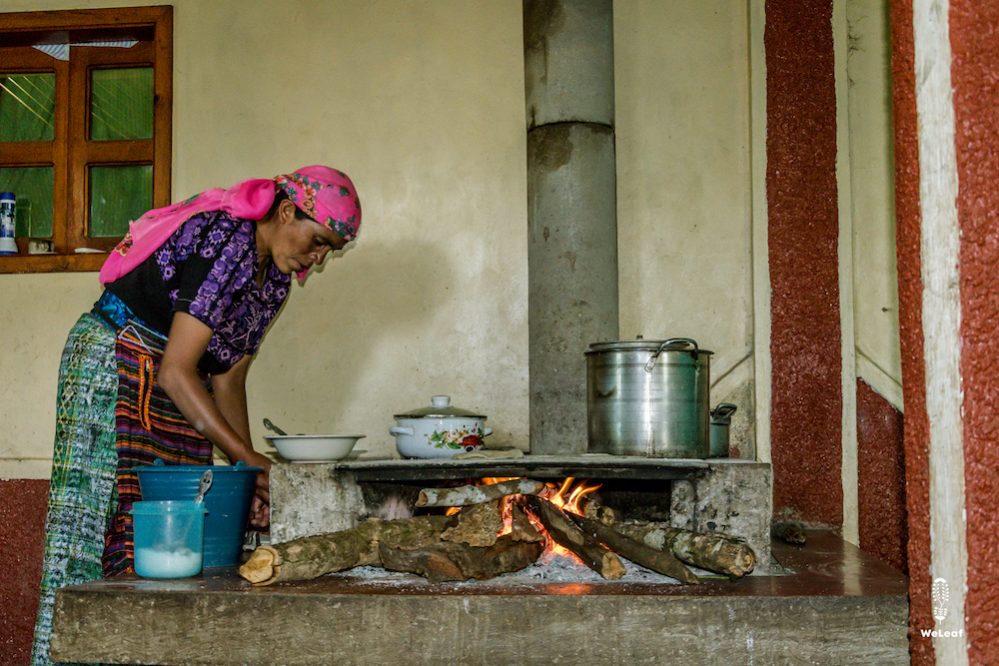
(671, 344)
(723, 410)
(487, 431)
(402, 430)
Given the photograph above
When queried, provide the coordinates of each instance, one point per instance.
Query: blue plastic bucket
(169, 538)
(227, 501)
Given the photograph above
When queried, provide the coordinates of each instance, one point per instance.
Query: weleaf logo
(941, 594)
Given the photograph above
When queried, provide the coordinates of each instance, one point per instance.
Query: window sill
(51, 263)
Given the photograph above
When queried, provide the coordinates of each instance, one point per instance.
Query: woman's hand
(260, 508)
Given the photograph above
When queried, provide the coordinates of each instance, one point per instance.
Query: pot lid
(653, 346)
(440, 407)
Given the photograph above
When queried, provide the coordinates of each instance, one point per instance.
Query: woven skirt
(82, 487)
(148, 426)
(111, 417)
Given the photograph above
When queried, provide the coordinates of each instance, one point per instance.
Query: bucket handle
(672, 344)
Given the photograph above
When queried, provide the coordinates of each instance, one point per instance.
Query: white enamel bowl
(313, 448)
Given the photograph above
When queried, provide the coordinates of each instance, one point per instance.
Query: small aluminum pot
(721, 419)
(438, 431)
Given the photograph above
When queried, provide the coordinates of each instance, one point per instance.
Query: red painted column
(22, 540)
(881, 478)
(974, 38)
(910, 300)
(803, 228)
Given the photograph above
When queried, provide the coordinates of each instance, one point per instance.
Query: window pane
(121, 104)
(118, 194)
(27, 107)
(33, 188)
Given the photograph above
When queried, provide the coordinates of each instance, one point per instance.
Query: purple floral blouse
(207, 270)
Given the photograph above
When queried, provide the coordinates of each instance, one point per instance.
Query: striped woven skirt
(82, 486)
(110, 418)
(148, 426)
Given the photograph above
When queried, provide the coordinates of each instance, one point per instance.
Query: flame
(576, 494)
(568, 497)
(506, 503)
(569, 503)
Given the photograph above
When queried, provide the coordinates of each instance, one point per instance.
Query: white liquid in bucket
(160, 563)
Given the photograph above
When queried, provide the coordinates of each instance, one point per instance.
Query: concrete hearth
(724, 496)
(839, 606)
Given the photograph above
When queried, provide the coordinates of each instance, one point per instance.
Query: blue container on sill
(227, 501)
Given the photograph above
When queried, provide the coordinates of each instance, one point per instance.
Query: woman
(158, 368)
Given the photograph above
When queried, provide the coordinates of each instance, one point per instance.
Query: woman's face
(300, 244)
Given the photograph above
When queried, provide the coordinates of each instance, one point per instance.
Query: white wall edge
(881, 381)
(25, 468)
(941, 310)
(762, 364)
(844, 207)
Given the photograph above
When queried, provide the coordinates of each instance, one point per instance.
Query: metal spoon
(203, 486)
(273, 428)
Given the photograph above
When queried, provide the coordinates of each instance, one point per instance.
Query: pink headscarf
(326, 195)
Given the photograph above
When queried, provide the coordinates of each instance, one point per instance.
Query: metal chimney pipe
(572, 209)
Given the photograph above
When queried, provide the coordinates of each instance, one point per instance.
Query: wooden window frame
(71, 153)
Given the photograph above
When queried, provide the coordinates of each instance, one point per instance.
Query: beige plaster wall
(684, 180)
(875, 278)
(422, 103)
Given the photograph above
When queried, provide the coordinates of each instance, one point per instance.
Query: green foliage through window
(27, 107)
(118, 195)
(33, 188)
(121, 104)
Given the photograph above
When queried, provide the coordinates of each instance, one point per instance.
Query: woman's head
(325, 195)
(293, 240)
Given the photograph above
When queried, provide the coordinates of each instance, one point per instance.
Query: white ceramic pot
(438, 431)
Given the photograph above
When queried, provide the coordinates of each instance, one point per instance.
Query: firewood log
(476, 525)
(566, 534)
(314, 556)
(713, 552)
(660, 561)
(458, 561)
(467, 495)
(523, 528)
(594, 510)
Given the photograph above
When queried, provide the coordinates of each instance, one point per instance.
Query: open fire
(567, 496)
(502, 525)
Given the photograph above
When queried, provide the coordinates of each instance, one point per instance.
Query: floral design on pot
(439, 431)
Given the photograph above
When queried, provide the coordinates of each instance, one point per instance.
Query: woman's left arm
(179, 377)
(229, 389)
(230, 396)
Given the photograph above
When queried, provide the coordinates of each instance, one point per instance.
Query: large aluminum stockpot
(648, 398)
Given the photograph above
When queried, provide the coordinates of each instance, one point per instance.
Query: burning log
(565, 533)
(468, 495)
(522, 528)
(477, 525)
(660, 561)
(314, 556)
(712, 552)
(458, 561)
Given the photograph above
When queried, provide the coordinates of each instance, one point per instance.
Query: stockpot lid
(652, 346)
(440, 408)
